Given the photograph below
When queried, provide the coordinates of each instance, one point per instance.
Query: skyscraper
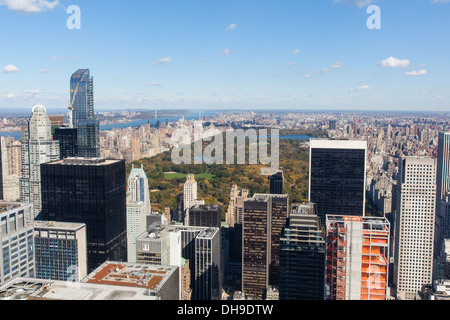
(138, 207)
(60, 250)
(337, 179)
(264, 219)
(414, 214)
(37, 148)
(357, 258)
(442, 203)
(81, 106)
(276, 183)
(93, 192)
(302, 260)
(190, 192)
(9, 182)
(68, 141)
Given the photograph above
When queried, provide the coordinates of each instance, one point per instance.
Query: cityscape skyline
(183, 55)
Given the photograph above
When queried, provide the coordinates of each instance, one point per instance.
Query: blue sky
(236, 54)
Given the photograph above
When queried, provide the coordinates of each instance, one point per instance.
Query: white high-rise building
(37, 148)
(138, 207)
(190, 193)
(414, 212)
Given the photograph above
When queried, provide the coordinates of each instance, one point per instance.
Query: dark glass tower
(264, 219)
(68, 144)
(90, 191)
(337, 175)
(276, 183)
(302, 261)
(81, 105)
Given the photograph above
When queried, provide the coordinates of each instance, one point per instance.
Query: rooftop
(58, 225)
(37, 289)
(146, 276)
(85, 161)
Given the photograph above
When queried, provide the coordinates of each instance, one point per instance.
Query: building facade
(302, 260)
(337, 179)
(357, 258)
(138, 208)
(414, 214)
(90, 191)
(60, 250)
(264, 219)
(82, 115)
(37, 148)
(16, 239)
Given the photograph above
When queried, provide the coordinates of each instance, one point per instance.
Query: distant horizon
(23, 110)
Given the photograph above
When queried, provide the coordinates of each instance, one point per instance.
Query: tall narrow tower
(138, 207)
(81, 106)
(414, 214)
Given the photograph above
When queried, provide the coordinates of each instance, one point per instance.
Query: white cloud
(162, 61)
(361, 88)
(10, 95)
(33, 91)
(29, 6)
(43, 71)
(55, 58)
(438, 96)
(336, 65)
(296, 51)
(226, 51)
(231, 27)
(10, 69)
(358, 3)
(307, 76)
(289, 64)
(416, 73)
(154, 84)
(392, 62)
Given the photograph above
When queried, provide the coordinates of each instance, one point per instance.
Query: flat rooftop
(85, 161)
(37, 289)
(337, 144)
(8, 206)
(145, 276)
(53, 225)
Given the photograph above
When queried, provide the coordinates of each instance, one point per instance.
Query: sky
(228, 54)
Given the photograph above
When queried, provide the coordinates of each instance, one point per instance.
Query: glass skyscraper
(337, 179)
(93, 192)
(81, 106)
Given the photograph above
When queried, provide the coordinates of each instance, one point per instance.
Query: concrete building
(60, 250)
(357, 258)
(138, 207)
(414, 214)
(205, 215)
(172, 245)
(113, 281)
(16, 239)
(159, 281)
(37, 148)
(190, 193)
